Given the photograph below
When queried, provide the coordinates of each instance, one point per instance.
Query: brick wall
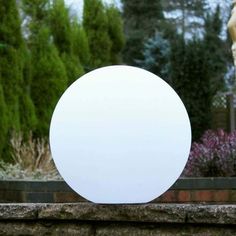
(189, 190)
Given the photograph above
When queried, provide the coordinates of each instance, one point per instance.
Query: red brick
(232, 195)
(202, 196)
(184, 196)
(221, 196)
(67, 197)
(169, 196)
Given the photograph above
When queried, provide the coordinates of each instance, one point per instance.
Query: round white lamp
(120, 134)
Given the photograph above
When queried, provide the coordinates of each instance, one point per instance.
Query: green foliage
(3, 121)
(115, 31)
(191, 80)
(57, 49)
(10, 76)
(37, 10)
(73, 67)
(62, 31)
(35, 70)
(48, 79)
(28, 117)
(48, 74)
(133, 48)
(188, 21)
(95, 23)
(10, 31)
(141, 20)
(10, 60)
(12, 72)
(197, 65)
(156, 56)
(80, 43)
(142, 15)
(215, 50)
(60, 26)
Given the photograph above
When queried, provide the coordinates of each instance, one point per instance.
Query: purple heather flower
(215, 155)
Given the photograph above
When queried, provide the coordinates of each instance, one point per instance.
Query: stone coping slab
(141, 213)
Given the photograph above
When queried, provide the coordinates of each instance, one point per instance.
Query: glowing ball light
(120, 134)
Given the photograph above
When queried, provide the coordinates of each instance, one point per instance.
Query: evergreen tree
(80, 43)
(3, 122)
(28, 119)
(190, 78)
(198, 69)
(215, 50)
(10, 60)
(156, 56)
(10, 77)
(143, 16)
(61, 28)
(49, 78)
(115, 30)
(187, 15)
(16, 113)
(95, 23)
(141, 20)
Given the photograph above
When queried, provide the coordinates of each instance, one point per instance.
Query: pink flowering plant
(215, 155)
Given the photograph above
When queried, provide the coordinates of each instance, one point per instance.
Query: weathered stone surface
(150, 213)
(135, 213)
(212, 214)
(164, 230)
(44, 228)
(18, 211)
(73, 228)
(89, 219)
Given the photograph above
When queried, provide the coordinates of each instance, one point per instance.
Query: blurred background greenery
(45, 45)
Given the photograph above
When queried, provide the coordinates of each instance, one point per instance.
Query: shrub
(95, 23)
(215, 155)
(31, 160)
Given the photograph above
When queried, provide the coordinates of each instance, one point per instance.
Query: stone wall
(87, 219)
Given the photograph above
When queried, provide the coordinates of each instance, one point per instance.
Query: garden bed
(185, 190)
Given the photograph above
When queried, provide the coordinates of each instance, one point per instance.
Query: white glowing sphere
(120, 134)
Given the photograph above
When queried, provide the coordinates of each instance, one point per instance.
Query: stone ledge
(143, 213)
